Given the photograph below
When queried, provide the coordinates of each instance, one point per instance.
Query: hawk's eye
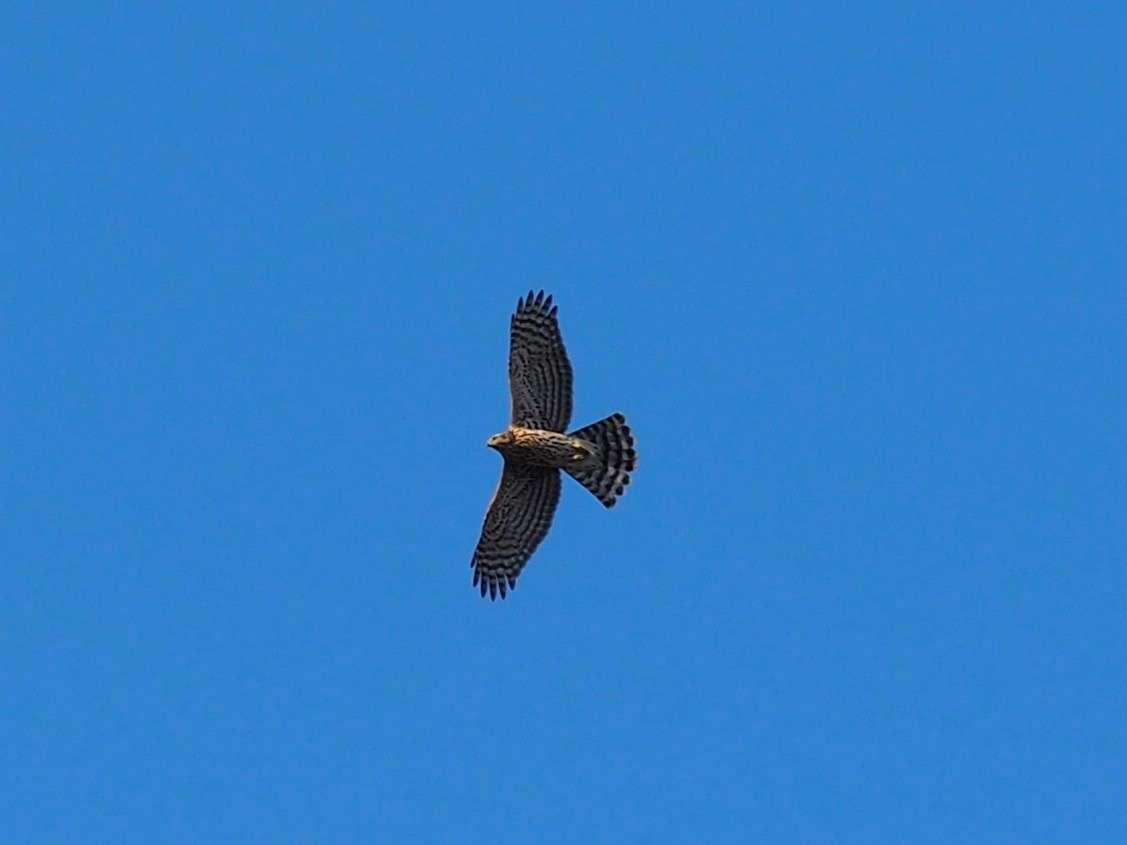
(578, 456)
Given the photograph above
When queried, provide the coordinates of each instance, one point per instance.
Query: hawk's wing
(539, 371)
(518, 519)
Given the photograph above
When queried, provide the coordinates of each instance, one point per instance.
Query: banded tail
(607, 472)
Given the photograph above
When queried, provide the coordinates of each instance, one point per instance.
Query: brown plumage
(535, 448)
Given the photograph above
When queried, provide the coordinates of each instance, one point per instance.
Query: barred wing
(518, 519)
(540, 378)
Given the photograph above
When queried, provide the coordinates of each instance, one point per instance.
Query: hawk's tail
(607, 472)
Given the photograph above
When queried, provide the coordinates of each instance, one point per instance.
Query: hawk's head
(498, 440)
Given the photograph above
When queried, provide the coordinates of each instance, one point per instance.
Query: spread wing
(518, 519)
(540, 377)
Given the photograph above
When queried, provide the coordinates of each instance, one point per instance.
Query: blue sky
(856, 277)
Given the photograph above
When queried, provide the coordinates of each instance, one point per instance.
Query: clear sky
(856, 276)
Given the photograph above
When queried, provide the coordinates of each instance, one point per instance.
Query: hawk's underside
(535, 449)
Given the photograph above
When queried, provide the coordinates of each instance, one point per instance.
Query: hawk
(535, 448)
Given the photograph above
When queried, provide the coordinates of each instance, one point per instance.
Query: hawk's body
(535, 448)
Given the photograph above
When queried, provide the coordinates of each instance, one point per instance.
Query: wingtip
(541, 301)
